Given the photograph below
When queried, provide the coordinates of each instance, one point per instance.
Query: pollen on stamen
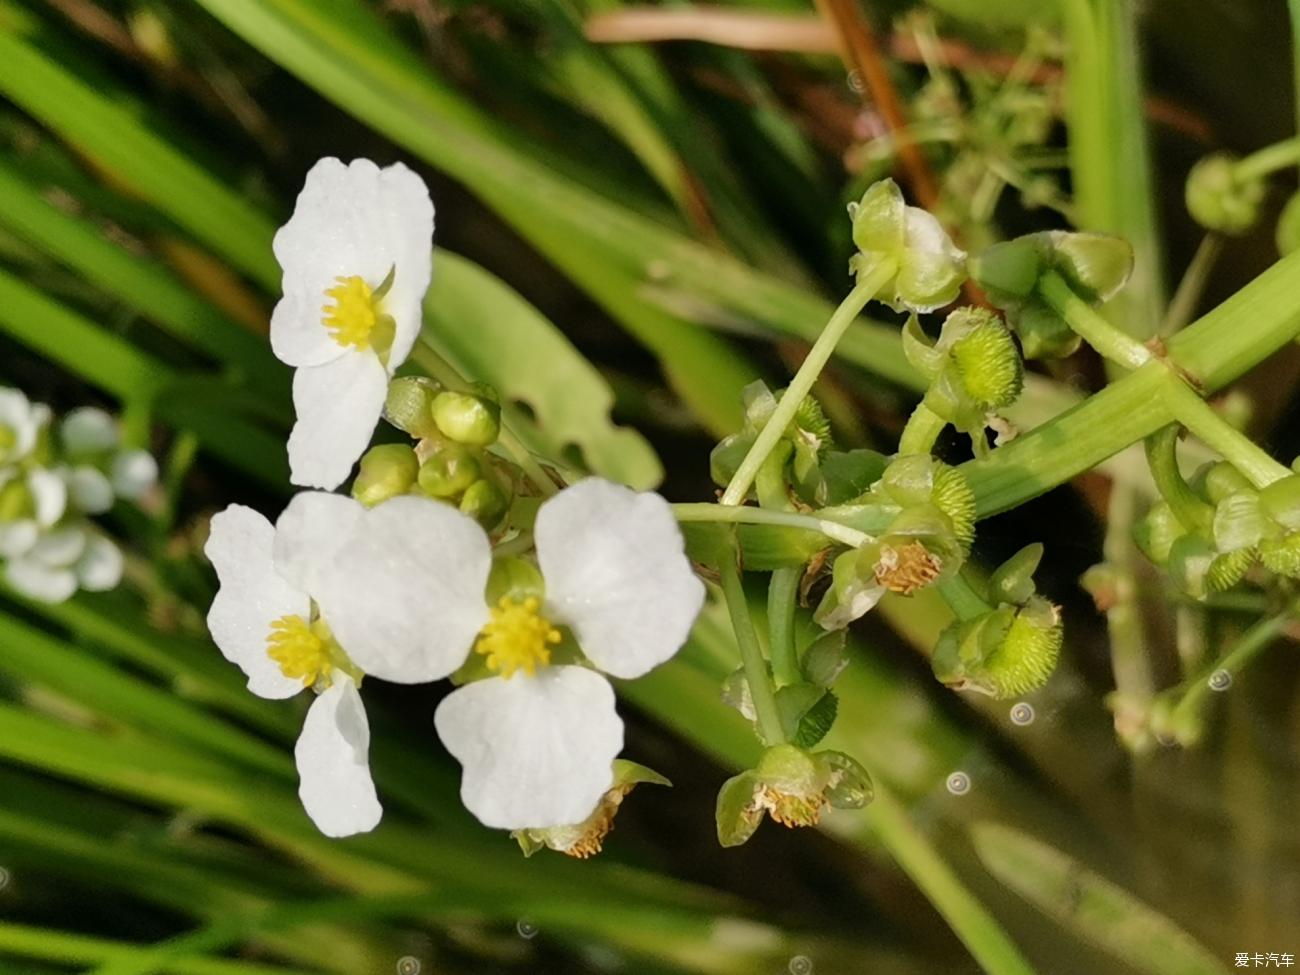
(517, 637)
(300, 652)
(354, 312)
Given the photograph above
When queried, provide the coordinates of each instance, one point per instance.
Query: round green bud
(1218, 200)
(467, 418)
(1043, 333)
(485, 503)
(448, 471)
(409, 405)
(386, 471)
(989, 364)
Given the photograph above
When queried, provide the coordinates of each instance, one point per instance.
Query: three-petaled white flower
(538, 741)
(21, 422)
(356, 257)
(330, 593)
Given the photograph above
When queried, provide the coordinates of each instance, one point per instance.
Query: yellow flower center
(517, 637)
(302, 649)
(355, 312)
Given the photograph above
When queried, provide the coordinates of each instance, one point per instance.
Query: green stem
(1162, 456)
(922, 430)
(1185, 719)
(1108, 340)
(962, 597)
(782, 595)
(746, 515)
(761, 691)
(803, 380)
(978, 930)
(1268, 160)
(1234, 446)
(1192, 286)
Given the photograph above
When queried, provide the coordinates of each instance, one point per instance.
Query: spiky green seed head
(953, 496)
(1228, 569)
(1282, 555)
(989, 365)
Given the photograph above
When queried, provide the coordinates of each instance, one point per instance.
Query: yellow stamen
(301, 649)
(355, 311)
(517, 637)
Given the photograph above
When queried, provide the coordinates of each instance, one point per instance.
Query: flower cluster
(52, 478)
(401, 582)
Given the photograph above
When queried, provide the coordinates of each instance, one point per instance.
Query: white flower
(334, 591)
(63, 561)
(87, 431)
(20, 425)
(538, 741)
(356, 259)
(29, 504)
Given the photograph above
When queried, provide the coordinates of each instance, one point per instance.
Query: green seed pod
(485, 502)
(989, 365)
(953, 496)
(1218, 200)
(467, 418)
(1004, 653)
(811, 424)
(1156, 533)
(386, 471)
(409, 405)
(1282, 555)
(449, 471)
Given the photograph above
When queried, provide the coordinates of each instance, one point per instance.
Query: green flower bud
(409, 405)
(1218, 200)
(1156, 533)
(587, 838)
(1096, 266)
(1013, 581)
(485, 502)
(1288, 227)
(1004, 653)
(449, 471)
(1008, 271)
(928, 268)
(386, 472)
(467, 418)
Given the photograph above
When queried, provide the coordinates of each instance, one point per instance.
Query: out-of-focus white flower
(331, 575)
(537, 742)
(63, 561)
(29, 504)
(20, 425)
(356, 260)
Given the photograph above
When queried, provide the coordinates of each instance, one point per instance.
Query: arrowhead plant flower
(330, 593)
(356, 260)
(537, 739)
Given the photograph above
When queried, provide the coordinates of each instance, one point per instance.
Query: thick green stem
(803, 380)
(746, 515)
(922, 430)
(1234, 446)
(761, 691)
(1162, 456)
(1108, 340)
(782, 595)
(962, 597)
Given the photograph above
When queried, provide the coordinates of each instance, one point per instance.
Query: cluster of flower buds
(450, 460)
(1094, 266)
(1220, 198)
(1010, 648)
(51, 479)
(1208, 532)
(921, 515)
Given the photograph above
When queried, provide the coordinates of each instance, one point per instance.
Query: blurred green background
(656, 219)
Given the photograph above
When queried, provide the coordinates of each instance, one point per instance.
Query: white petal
(90, 490)
(58, 549)
(333, 758)
(617, 574)
(338, 406)
(100, 567)
(404, 593)
(537, 751)
(16, 537)
(251, 597)
(37, 581)
(49, 494)
(354, 219)
(134, 472)
(88, 430)
(308, 535)
(22, 419)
